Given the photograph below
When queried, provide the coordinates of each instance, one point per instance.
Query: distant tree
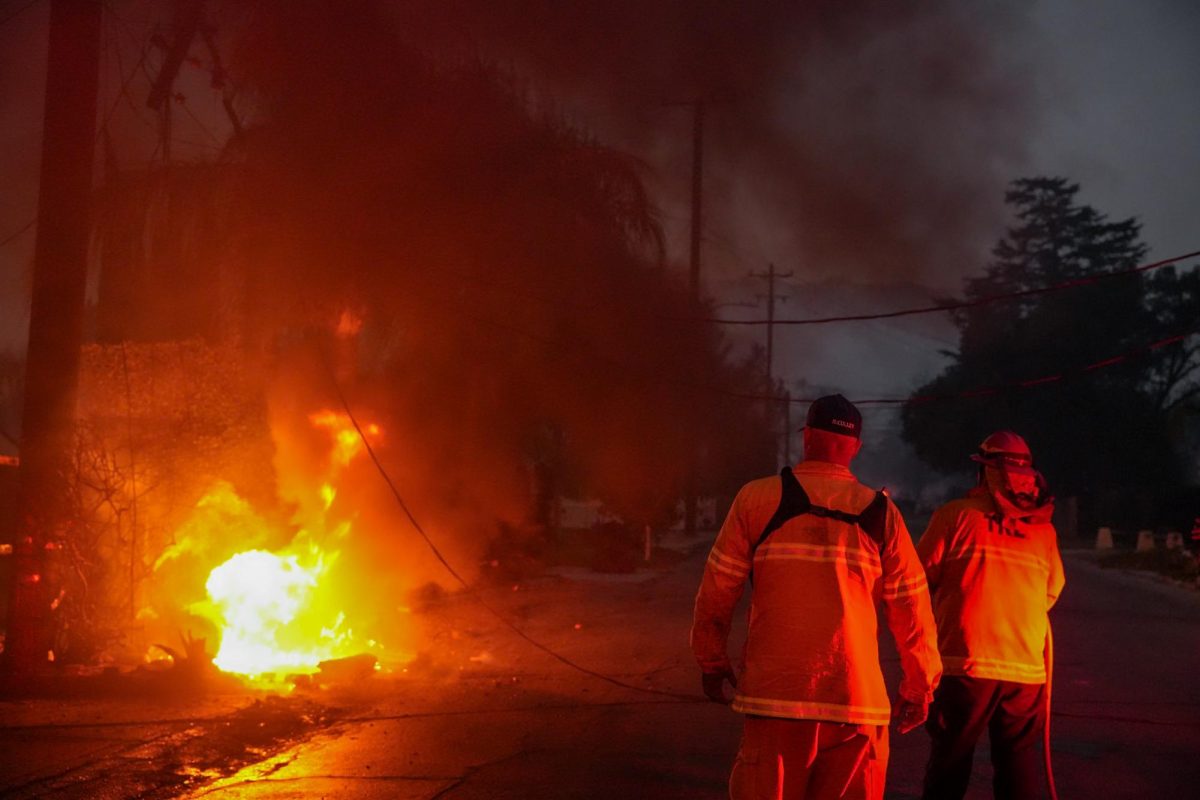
(1092, 431)
(1172, 308)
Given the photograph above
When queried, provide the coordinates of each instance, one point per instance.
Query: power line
(1029, 383)
(611, 309)
(12, 236)
(1088, 280)
(18, 12)
(10, 437)
(454, 573)
(608, 678)
(123, 91)
(575, 351)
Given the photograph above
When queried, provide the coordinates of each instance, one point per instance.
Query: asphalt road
(487, 715)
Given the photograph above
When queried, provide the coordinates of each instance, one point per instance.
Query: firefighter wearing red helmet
(992, 562)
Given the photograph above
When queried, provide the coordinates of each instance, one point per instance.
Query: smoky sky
(861, 139)
(516, 320)
(851, 142)
(1117, 114)
(869, 140)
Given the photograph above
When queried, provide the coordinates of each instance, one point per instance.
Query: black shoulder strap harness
(794, 503)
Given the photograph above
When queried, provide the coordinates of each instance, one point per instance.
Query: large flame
(276, 614)
(280, 612)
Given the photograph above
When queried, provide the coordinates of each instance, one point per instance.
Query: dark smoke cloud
(867, 139)
(519, 331)
(386, 163)
(415, 161)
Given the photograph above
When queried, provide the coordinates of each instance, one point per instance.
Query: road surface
(487, 715)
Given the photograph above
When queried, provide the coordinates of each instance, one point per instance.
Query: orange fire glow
(347, 442)
(279, 612)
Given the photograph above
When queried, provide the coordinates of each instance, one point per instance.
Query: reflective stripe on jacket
(993, 580)
(812, 643)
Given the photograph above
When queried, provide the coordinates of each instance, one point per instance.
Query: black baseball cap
(835, 414)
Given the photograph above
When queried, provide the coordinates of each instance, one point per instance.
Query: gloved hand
(907, 715)
(714, 685)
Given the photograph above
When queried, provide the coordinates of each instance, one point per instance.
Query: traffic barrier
(1174, 540)
(1104, 539)
(1145, 541)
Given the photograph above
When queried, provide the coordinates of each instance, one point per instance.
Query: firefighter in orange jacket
(994, 569)
(822, 552)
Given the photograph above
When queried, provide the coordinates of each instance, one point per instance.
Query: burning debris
(278, 612)
(265, 606)
(347, 670)
(194, 662)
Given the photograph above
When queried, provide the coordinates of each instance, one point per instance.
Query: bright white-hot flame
(280, 612)
(265, 603)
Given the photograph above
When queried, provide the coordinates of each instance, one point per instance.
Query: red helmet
(1006, 450)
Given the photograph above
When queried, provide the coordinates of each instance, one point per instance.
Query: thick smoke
(521, 336)
(417, 162)
(469, 180)
(870, 139)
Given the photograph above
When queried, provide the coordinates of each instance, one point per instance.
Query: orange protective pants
(799, 759)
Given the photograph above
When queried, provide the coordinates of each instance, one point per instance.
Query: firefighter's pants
(1014, 715)
(798, 759)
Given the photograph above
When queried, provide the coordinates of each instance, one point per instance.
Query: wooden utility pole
(770, 275)
(689, 491)
(787, 427)
(55, 321)
(697, 197)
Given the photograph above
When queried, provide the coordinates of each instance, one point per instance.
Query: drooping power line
(1087, 280)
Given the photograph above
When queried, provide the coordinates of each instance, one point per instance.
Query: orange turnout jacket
(993, 580)
(818, 578)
